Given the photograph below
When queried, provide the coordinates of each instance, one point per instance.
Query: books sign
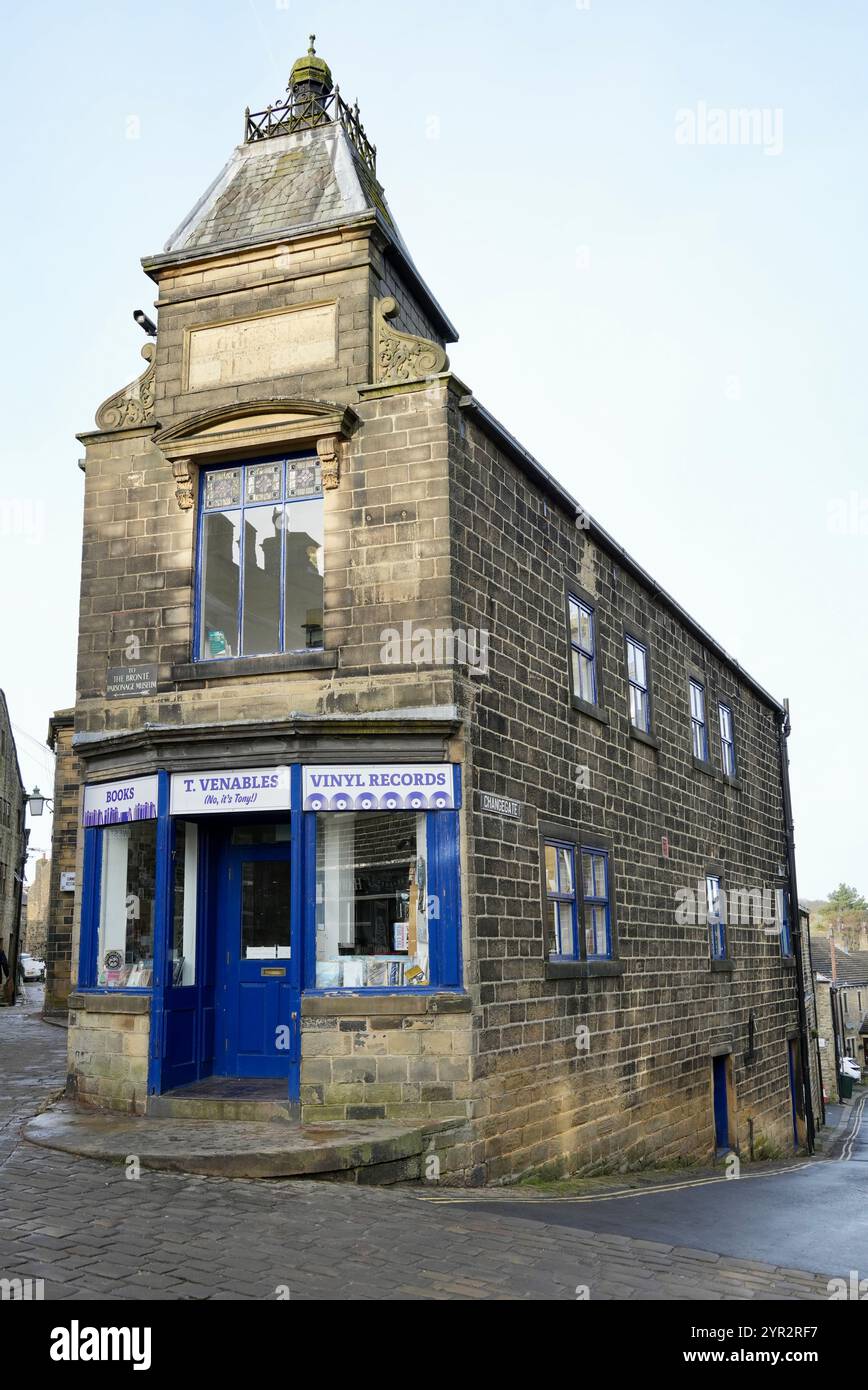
(110, 803)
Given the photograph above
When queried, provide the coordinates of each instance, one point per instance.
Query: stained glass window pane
(264, 482)
(223, 487)
(304, 480)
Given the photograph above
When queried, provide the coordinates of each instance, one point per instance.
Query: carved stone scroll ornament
(185, 472)
(329, 452)
(402, 356)
(134, 405)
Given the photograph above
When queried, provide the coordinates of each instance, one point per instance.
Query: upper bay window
(260, 559)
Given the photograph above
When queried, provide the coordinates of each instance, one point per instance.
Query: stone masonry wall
(64, 833)
(643, 1090)
(386, 1057)
(108, 1051)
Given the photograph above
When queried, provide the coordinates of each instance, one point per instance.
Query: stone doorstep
(242, 1149)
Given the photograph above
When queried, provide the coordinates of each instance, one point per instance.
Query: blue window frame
(583, 650)
(698, 730)
(727, 740)
(596, 913)
(259, 558)
(579, 923)
(783, 906)
(637, 676)
(716, 917)
(560, 878)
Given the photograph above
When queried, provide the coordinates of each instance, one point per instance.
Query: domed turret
(311, 75)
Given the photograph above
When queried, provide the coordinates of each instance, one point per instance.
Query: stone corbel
(134, 405)
(329, 453)
(402, 356)
(185, 472)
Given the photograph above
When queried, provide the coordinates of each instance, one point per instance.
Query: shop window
(125, 958)
(373, 914)
(185, 877)
(260, 559)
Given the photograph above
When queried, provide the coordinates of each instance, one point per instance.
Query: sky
(663, 301)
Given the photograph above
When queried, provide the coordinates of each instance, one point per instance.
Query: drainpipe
(784, 728)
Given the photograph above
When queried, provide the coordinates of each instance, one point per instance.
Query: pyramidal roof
(306, 165)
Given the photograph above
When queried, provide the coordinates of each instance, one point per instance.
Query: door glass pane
(261, 834)
(261, 580)
(264, 909)
(126, 910)
(221, 552)
(304, 575)
(185, 869)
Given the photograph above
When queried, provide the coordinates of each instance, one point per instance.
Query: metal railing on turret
(305, 111)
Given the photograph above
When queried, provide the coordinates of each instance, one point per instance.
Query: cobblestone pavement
(91, 1232)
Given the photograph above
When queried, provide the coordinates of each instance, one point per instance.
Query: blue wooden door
(257, 989)
(721, 1106)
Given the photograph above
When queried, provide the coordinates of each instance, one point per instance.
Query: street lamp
(36, 801)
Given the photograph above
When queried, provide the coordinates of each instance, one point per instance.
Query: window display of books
(368, 972)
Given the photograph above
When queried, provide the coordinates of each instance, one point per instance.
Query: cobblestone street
(90, 1232)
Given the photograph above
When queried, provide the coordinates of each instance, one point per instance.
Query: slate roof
(306, 181)
(851, 966)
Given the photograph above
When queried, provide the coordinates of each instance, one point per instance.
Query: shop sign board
(111, 803)
(380, 787)
(229, 789)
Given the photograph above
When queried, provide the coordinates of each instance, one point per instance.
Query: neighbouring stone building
(62, 883)
(841, 986)
(403, 784)
(12, 839)
(34, 937)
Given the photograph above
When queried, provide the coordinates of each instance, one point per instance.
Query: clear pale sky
(676, 330)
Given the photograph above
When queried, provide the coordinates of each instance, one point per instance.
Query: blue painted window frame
(286, 460)
(578, 900)
(443, 882)
(558, 897)
(716, 917)
(88, 947)
(580, 652)
(698, 726)
(634, 683)
(727, 739)
(594, 900)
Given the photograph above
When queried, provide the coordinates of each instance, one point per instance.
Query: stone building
(34, 937)
(841, 985)
(12, 838)
(404, 785)
(64, 837)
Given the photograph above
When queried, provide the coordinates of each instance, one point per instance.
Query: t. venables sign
(381, 787)
(230, 789)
